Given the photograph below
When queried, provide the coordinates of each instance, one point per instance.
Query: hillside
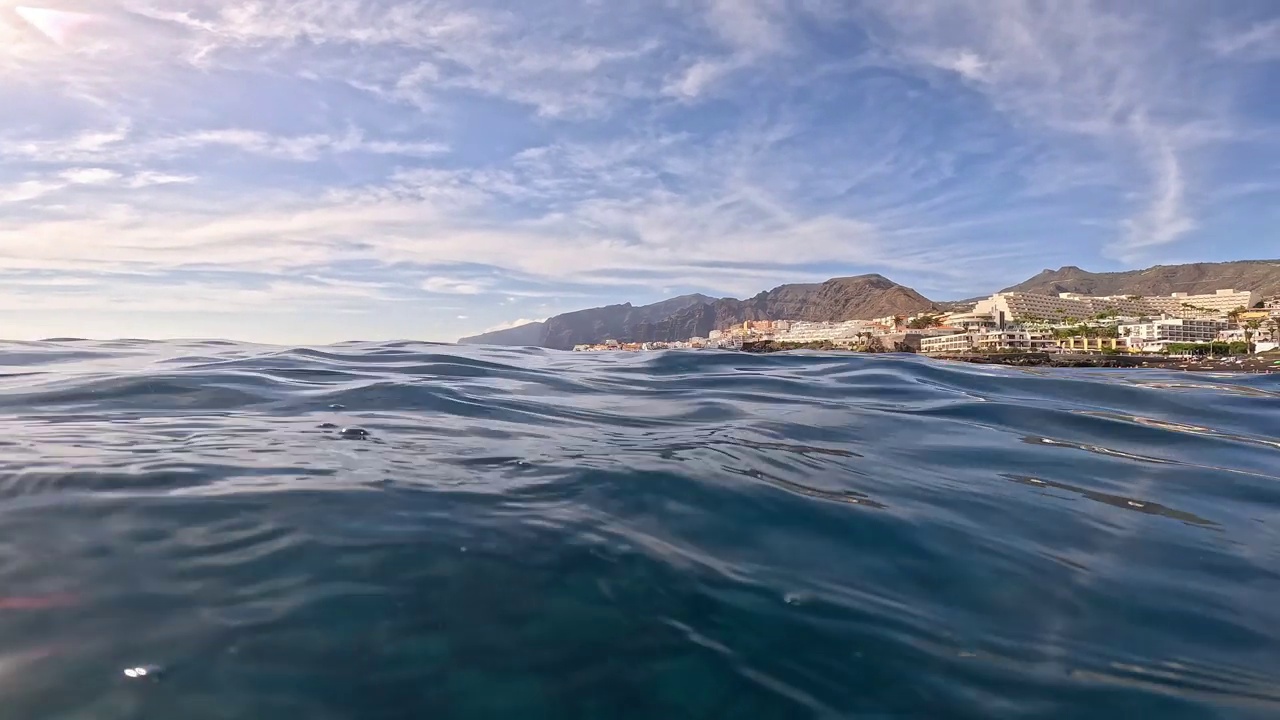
(859, 297)
(561, 331)
(1195, 278)
(863, 296)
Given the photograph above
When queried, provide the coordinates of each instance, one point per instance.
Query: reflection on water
(403, 530)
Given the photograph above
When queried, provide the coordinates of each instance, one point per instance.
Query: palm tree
(1251, 329)
(1234, 315)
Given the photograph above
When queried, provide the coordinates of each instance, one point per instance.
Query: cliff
(1194, 278)
(863, 296)
(859, 297)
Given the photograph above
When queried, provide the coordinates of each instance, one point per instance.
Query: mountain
(1195, 278)
(563, 331)
(860, 297)
(612, 321)
(527, 335)
(851, 298)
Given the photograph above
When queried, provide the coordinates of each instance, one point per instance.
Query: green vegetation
(925, 321)
(1087, 330)
(1212, 348)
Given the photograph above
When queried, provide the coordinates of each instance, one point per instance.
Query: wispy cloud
(458, 154)
(513, 324)
(1086, 72)
(1258, 41)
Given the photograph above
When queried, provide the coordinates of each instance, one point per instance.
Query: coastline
(1256, 364)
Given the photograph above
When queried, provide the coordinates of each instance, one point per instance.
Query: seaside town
(1227, 321)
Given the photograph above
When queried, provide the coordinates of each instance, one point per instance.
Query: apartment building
(971, 321)
(801, 332)
(987, 341)
(1158, 334)
(1220, 302)
(1012, 308)
(945, 344)
(994, 340)
(1088, 344)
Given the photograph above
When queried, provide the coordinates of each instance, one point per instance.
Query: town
(1226, 321)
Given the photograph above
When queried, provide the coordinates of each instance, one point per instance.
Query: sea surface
(406, 530)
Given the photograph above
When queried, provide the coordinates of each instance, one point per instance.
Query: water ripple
(403, 530)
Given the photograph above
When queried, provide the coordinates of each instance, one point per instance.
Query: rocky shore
(1267, 363)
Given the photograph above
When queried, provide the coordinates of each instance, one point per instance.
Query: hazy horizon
(299, 172)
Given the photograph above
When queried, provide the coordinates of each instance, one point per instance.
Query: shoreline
(1254, 364)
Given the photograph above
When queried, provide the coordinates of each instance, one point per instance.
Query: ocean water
(406, 530)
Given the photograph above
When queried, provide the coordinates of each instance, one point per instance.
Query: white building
(1015, 307)
(1012, 308)
(945, 344)
(1219, 303)
(1015, 340)
(988, 341)
(803, 331)
(972, 321)
(1156, 335)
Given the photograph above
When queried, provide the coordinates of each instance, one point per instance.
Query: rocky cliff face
(586, 326)
(1195, 278)
(860, 297)
(852, 298)
(864, 296)
(527, 335)
(613, 321)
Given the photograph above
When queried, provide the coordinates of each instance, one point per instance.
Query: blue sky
(303, 171)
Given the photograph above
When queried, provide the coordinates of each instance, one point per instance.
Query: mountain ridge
(1191, 278)
(858, 297)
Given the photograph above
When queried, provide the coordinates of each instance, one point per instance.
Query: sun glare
(57, 25)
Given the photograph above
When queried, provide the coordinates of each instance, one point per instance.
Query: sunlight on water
(212, 530)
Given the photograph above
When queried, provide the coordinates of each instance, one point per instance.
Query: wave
(408, 529)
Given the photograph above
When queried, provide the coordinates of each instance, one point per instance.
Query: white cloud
(1258, 42)
(89, 176)
(1075, 70)
(118, 147)
(451, 286)
(513, 324)
(27, 190)
(823, 165)
(57, 25)
(147, 178)
(752, 26)
(151, 293)
(84, 176)
(1166, 218)
(699, 76)
(966, 63)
